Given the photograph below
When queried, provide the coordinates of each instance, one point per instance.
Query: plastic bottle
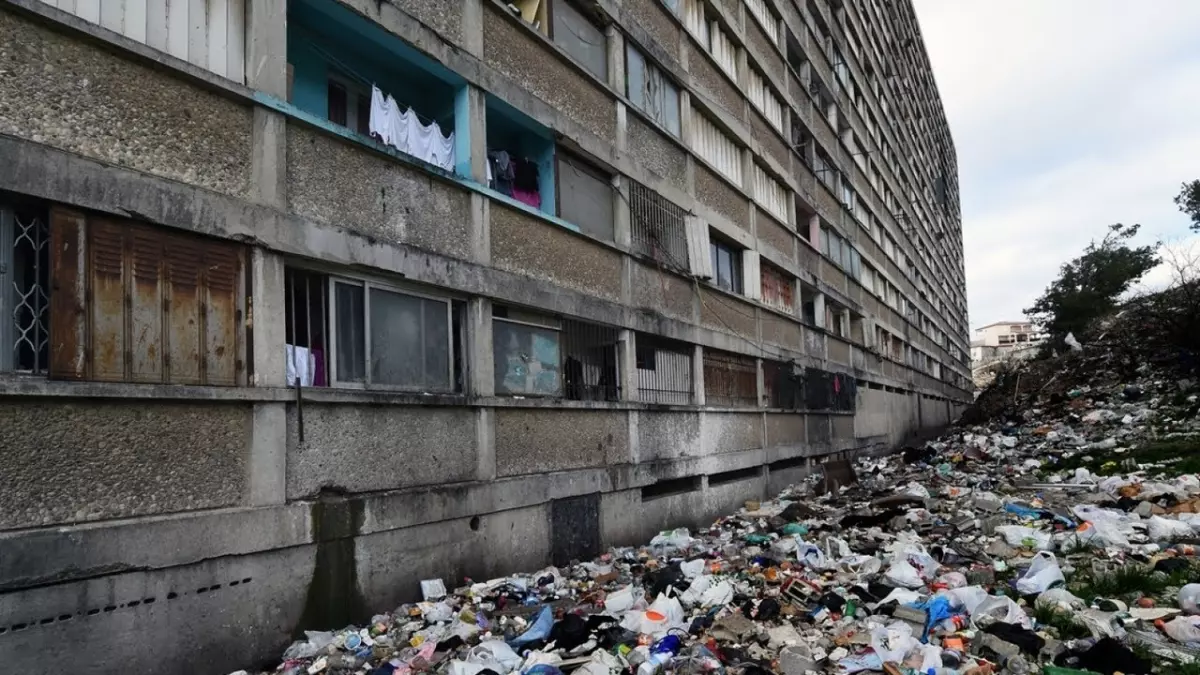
(1189, 599)
(655, 663)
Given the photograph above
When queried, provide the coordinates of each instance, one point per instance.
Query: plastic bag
(811, 555)
(694, 592)
(539, 630)
(1001, 608)
(494, 655)
(1043, 573)
(1185, 629)
(672, 539)
(953, 580)
(619, 601)
(718, 594)
(1189, 599)
(692, 568)
(1165, 529)
(1019, 535)
(903, 574)
(894, 642)
(463, 668)
(916, 490)
(661, 616)
(968, 598)
(1059, 598)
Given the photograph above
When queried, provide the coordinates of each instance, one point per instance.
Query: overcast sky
(1067, 115)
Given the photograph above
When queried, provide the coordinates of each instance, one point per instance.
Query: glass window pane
(351, 354)
(635, 77)
(671, 108)
(437, 345)
(397, 340)
(526, 359)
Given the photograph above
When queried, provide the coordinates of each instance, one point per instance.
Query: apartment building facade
(307, 300)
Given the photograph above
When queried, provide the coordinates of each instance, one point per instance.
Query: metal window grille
(24, 289)
(784, 385)
(664, 369)
(777, 290)
(824, 390)
(658, 227)
(589, 361)
(306, 317)
(730, 379)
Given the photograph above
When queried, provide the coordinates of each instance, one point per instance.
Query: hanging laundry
(301, 364)
(503, 171)
(405, 132)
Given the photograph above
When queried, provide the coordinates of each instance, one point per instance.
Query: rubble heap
(1055, 534)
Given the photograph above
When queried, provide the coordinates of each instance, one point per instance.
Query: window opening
(24, 288)
(658, 227)
(730, 379)
(306, 309)
(664, 370)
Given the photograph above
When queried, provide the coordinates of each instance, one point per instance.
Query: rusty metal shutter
(155, 305)
(68, 288)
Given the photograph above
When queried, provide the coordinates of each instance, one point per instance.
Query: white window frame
(715, 147)
(771, 194)
(765, 19)
(367, 284)
(723, 51)
(765, 100)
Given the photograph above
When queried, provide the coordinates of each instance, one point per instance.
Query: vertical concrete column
(472, 27)
(267, 468)
(470, 133)
(622, 227)
(760, 381)
(627, 364)
(698, 376)
(266, 71)
(481, 379)
(751, 275)
(814, 231)
(685, 135)
(616, 57)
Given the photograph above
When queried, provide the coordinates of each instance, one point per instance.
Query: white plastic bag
(494, 655)
(931, 658)
(811, 555)
(1165, 529)
(463, 668)
(1001, 608)
(903, 574)
(1189, 599)
(1043, 573)
(968, 598)
(672, 539)
(953, 580)
(1019, 535)
(692, 568)
(1185, 629)
(695, 591)
(720, 593)
(916, 490)
(1060, 599)
(894, 642)
(619, 601)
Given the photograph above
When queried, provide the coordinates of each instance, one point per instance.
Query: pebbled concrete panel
(785, 429)
(92, 460)
(782, 330)
(71, 95)
(653, 18)
(537, 441)
(730, 432)
(725, 314)
(717, 194)
(523, 244)
(357, 448)
(774, 233)
(662, 292)
(668, 435)
(714, 84)
(769, 138)
(512, 50)
(656, 153)
(334, 181)
(443, 16)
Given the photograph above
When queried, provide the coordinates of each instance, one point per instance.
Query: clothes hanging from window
(301, 364)
(405, 132)
(525, 176)
(503, 172)
(533, 199)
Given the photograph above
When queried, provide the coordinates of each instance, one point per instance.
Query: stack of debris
(1058, 534)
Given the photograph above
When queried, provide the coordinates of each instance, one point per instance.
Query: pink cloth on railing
(533, 199)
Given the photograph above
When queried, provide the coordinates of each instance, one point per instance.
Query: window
(664, 370)
(716, 148)
(726, 265)
(585, 197)
(847, 194)
(783, 385)
(778, 289)
(386, 337)
(24, 288)
(657, 227)
(306, 316)
(824, 170)
(730, 379)
(581, 38)
(835, 320)
(855, 266)
(141, 303)
(770, 194)
(767, 20)
(651, 91)
(723, 51)
(349, 104)
(543, 356)
(765, 100)
(1006, 339)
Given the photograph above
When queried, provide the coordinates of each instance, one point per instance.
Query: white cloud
(1067, 116)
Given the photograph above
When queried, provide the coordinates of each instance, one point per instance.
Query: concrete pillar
(268, 362)
(622, 227)
(698, 375)
(470, 133)
(267, 480)
(760, 382)
(751, 275)
(627, 364)
(472, 27)
(616, 57)
(485, 443)
(268, 158)
(266, 47)
(622, 143)
(819, 310)
(814, 231)
(481, 377)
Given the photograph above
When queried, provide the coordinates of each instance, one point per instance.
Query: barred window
(664, 370)
(658, 227)
(730, 379)
(778, 289)
(24, 288)
(544, 356)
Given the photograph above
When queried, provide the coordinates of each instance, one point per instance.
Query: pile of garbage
(1058, 534)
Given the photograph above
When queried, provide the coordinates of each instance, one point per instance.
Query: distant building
(998, 341)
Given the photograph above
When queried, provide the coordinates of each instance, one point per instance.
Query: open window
(783, 385)
(24, 286)
(352, 72)
(538, 355)
(521, 161)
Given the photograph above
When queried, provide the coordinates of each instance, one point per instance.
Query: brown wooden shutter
(107, 299)
(223, 265)
(184, 263)
(145, 304)
(68, 294)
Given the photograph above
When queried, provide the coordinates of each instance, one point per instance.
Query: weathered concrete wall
(668, 435)
(716, 194)
(713, 82)
(67, 94)
(775, 234)
(655, 152)
(662, 292)
(779, 479)
(523, 244)
(443, 16)
(652, 17)
(536, 441)
(70, 462)
(727, 314)
(357, 448)
(781, 330)
(785, 429)
(729, 432)
(768, 137)
(513, 51)
(337, 182)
